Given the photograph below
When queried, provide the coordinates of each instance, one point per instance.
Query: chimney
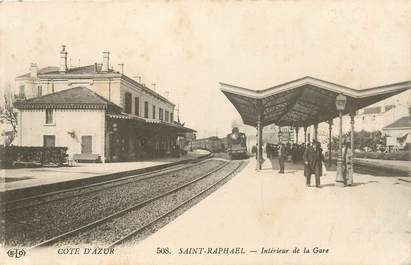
(33, 70)
(122, 68)
(63, 59)
(106, 61)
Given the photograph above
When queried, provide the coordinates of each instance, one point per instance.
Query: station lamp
(340, 102)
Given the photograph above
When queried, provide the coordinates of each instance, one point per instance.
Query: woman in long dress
(348, 170)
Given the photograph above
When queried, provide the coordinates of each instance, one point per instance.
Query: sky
(188, 47)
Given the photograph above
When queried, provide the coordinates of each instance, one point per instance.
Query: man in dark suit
(282, 156)
(313, 158)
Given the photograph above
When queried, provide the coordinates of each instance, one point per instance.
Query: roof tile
(77, 97)
(400, 123)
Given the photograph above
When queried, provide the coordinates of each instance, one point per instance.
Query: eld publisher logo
(15, 252)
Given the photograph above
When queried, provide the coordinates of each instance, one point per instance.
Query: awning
(303, 102)
(152, 123)
(402, 137)
(125, 116)
(167, 125)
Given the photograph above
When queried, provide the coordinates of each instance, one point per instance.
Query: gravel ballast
(35, 224)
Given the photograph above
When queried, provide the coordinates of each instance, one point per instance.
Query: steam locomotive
(236, 144)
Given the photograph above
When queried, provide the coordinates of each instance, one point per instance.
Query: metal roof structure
(303, 102)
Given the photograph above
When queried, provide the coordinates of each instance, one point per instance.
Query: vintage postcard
(205, 132)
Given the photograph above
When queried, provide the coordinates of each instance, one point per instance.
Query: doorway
(86, 144)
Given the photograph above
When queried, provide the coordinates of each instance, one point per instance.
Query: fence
(32, 155)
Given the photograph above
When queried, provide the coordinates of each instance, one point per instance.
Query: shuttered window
(137, 106)
(49, 140)
(145, 109)
(166, 116)
(49, 116)
(127, 103)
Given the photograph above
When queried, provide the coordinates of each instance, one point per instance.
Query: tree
(8, 114)
(363, 139)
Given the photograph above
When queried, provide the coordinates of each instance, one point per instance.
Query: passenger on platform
(288, 150)
(282, 156)
(268, 150)
(348, 169)
(301, 152)
(313, 159)
(294, 152)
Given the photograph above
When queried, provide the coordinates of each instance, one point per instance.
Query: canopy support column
(259, 144)
(330, 126)
(350, 179)
(259, 135)
(296, 134)
(305, 135)
(316, 131)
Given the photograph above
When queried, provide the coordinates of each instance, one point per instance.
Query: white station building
(95, 111)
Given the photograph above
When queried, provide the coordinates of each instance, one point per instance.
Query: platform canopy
(303, 102)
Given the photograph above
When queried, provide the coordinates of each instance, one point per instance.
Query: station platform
(20, 178)
(367, 223)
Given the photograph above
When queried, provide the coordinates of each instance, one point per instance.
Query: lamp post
(340, 102)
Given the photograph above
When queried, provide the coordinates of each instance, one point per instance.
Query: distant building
(270, 134)
(383, 113)
(399, 133)
(94, 110)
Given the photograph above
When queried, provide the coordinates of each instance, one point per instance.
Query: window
(49, 140)
(127, 102)
(39, 91)
(166, 116)
(160, 114)
(22, 93)
(86, 144)
(389, 107)
(145, 109)
(137, 106)
(154, 112)
(171, 117)
(372, 110)
(49, 116)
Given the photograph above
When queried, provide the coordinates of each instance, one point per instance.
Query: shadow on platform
(297, 169)
(272, 164)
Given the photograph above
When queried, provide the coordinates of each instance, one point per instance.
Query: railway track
(34, 224)
(377, 171)
(140, 229)
(122, 217)
(68, 193)
(32, 192)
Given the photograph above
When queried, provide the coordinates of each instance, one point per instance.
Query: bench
(86, 158)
